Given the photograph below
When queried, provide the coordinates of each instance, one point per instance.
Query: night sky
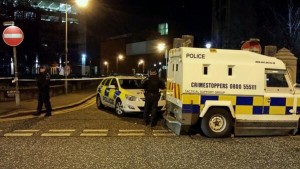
(115, 17)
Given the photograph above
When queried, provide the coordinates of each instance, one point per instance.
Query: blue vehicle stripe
(243, 100)
(287, 110)
(257, 109)
(266, 110)
(204, 98)
(117, 93)
(106, 92)
(190, 108)
(275, 101)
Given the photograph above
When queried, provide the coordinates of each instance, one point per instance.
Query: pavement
(9, 109)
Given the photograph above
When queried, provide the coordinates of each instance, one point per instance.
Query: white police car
(124, 94)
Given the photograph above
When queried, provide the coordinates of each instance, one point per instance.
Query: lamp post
(119, 57)
(141, 62)
(162, 47)
(107, 65)
(80, 3)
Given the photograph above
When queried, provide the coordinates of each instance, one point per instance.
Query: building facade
(44, 25)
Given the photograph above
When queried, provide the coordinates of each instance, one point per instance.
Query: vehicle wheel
(99, 103)
(119, 108)
(216, 123)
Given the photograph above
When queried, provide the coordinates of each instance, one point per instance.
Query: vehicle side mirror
(112, 86)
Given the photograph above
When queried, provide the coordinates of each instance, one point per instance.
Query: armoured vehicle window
(205, 70)
(276, 80)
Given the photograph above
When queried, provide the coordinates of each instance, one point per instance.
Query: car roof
(124, 77)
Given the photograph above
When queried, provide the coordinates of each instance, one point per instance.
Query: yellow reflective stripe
(277, 110)
(244, 109)
(178, 91)
(258, 100)
(289, 102)
(228, 98)
(190, 99)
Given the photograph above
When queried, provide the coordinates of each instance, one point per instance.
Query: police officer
(43, 80)
(152, 85)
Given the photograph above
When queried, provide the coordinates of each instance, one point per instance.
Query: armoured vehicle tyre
(216, 123)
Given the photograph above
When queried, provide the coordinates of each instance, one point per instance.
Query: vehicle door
(278, 97)
(105, 92)
(113, 88)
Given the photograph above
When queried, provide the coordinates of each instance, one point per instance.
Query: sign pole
(13, 36)
(17, 96)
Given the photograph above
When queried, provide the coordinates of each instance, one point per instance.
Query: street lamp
(141, 62)
(80, 3)
(107, 65)
(119, 57)
(162, 47)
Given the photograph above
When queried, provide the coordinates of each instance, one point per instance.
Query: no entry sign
(13, 36)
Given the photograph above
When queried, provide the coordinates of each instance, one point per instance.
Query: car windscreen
(130, 83)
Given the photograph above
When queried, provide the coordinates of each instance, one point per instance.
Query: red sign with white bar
(13, 36)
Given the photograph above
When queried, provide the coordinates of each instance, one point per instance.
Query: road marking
(17, 118)
(127, 131)
(89, 103)
(18, 134)
(160, 131)
(131, 134)
(93, 134)
(95, 130)
(26, 130)
(295, 136)
(62, 130)
(55, 134)
(163, 134)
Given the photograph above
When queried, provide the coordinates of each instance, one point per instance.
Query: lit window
(163, 29)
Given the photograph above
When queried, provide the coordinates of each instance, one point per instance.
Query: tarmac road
(85, 137)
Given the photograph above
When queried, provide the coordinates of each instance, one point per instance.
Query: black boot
(36, 114)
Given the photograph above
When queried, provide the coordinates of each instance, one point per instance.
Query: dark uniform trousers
(151, 101)
(44, 97)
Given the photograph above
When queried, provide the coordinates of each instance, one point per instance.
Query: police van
(230, 91)
(124, 94)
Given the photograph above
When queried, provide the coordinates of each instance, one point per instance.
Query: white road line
(127, 131)
(62, 130)
(55, 134)
(160, 131)
(163, 134)
(26, 130)
(131, 134)
(18, 134)
(95, 130)
(93, 134)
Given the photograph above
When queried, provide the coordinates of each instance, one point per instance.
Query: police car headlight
(131, 98)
